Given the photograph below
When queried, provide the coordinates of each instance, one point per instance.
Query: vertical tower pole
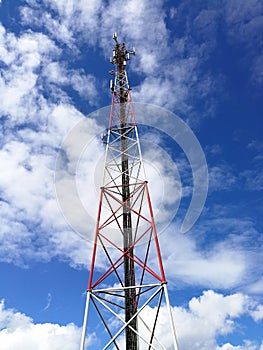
(129, 273)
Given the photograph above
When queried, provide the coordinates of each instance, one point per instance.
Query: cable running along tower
(127, 289)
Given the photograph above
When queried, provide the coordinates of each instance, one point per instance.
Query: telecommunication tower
(127, 287)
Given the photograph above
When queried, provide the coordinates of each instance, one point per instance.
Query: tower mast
(120, 93)
(125, 233)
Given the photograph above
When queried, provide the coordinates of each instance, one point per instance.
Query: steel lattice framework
(132, 280)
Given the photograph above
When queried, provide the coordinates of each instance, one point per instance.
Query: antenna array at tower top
(120, 53)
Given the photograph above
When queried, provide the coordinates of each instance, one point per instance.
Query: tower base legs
(147, 326)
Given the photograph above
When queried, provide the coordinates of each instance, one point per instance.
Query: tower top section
(120, 54)
(122, 113)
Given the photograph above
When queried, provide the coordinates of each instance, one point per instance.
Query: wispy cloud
(169, 69)
(244, 23)
(222, 177)
(221, 251)
(49, 300)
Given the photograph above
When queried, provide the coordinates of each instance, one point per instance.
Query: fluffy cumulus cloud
(208, 317)
(248, 345)
(18, 330)
(27, 186)
(33, 125)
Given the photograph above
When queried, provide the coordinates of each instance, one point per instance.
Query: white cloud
(58, 31)
(24, 57)
(73, 18)
(220, 266)
(56, 73)
(220, 252)
(248, 345)
(208, 316)
(84, 84)
(241, 15)
(31, 67)
(256, 145)
(213, 150)
(253, 179)
(19, 331)
(256, 287)
(257, 314)
(221, 177)
(33, 129)
(27, 184)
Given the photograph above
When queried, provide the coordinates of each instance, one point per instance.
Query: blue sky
(201, 60)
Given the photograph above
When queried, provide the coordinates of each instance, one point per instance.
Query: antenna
(125, 234)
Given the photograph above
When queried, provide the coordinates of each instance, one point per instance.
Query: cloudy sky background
(200, 60)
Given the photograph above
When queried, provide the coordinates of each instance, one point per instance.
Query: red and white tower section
(127, 287)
